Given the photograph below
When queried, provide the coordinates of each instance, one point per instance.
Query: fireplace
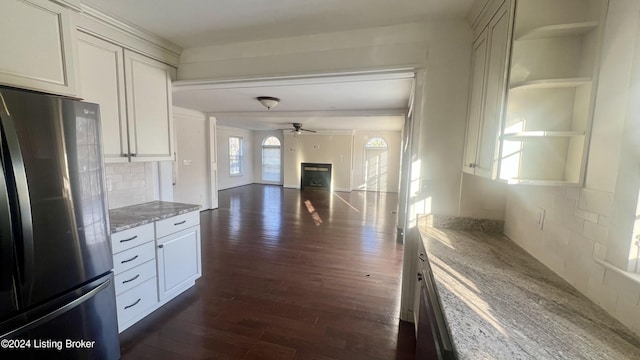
(315, 176)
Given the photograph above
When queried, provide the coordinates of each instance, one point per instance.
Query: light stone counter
(135, 215)
(501, 303)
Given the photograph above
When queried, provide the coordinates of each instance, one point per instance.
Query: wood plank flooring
(287, 275)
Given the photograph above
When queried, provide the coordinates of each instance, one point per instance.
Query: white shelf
(560, 30)
(540, 134)
(550, 83)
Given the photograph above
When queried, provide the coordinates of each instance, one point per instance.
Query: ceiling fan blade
(308, 130)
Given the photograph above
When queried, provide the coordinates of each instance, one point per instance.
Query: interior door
(191, 173)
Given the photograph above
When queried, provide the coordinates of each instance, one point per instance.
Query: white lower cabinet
(178, 258)
(134, 304)
(151, 270)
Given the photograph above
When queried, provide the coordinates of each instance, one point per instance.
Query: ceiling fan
(297, 129)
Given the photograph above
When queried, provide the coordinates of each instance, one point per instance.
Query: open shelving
(550, 83)
(558, 30)
(546, 129)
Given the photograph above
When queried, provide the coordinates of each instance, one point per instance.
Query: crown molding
(131, 29)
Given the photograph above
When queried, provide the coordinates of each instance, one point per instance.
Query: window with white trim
(235, 155)
(271, 157)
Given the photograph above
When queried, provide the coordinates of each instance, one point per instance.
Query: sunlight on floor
(346, 202)
(314, 215)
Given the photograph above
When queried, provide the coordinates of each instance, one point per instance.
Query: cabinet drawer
(136, 301)
(134, 277)
(177, 223)
(131, 258)
(130, 238)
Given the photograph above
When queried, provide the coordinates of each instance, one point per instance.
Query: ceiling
(338, 102)
(370, 102)
(193, 23)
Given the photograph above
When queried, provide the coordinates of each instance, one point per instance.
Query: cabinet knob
(472, 165)
(133, 154)
(160, 246)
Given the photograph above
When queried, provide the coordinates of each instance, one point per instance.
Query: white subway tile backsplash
(586, 215)
(602, 294)
(132, 183)
(595, 201)
(595, 232)
(572, 193)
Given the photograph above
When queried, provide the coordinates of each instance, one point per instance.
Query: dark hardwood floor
(287, 275)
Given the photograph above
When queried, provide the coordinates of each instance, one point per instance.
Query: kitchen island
(501, 303)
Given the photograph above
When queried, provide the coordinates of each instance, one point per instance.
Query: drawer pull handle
(128, 260)
(134, 304)
(129, 239)
(160, 246)
(181, 222)
(130, 280)
(422, 257)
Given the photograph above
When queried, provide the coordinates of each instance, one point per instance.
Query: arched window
(376, 143)
(375, 164)
(271, 159)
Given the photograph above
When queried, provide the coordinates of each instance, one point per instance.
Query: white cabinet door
(494, 95)
(178, 257)
(37, 46)
(149, 108)
(101, 71)
(478, 71)
(487, 96)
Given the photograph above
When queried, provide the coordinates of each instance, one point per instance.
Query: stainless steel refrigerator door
(79, 325)
(8, 298)
(55, 159)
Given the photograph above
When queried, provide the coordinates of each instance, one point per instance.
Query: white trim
(288, 80)
(308, 114)
(629, 275)
(151, 45)
(177, 110)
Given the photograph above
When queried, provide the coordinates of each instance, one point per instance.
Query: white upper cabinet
(37, 46)
(551, 91)
(150, 116)
(134, 93)
(487, 92)
(101, 72)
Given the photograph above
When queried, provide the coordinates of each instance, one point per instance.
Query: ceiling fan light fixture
(268, 101)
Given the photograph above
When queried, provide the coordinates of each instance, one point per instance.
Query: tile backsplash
(129, 184)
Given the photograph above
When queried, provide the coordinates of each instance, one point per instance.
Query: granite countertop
(501, 303)
(135, 215)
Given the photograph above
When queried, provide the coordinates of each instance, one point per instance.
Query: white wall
(191, 171)
(587, 231)
(392, 175)
(258, 137)
(380, 47)
(225, 181)
(441, 115)
(333, 149)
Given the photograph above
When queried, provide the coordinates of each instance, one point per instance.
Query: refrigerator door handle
(59, 311)
(24, 202)
(7, 286)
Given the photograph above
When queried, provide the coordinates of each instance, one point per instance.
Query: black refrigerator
(57, 297)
